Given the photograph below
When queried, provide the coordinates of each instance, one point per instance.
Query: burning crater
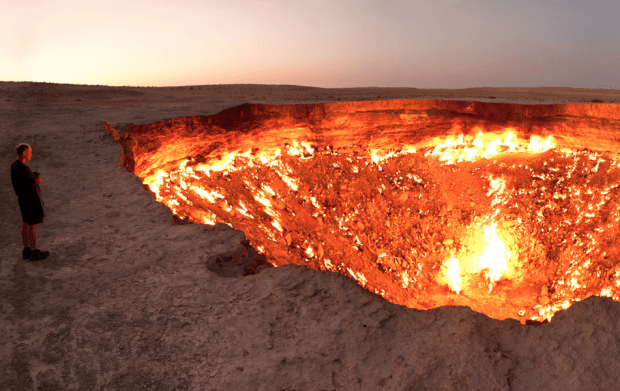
(512, 210)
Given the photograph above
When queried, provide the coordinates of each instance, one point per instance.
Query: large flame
(495, 257)
(492, 261)
(468, 149)
(453, 270)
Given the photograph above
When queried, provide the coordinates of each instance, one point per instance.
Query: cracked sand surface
(125, 301)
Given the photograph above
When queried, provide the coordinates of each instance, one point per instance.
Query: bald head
(21, 148)
(24, 152)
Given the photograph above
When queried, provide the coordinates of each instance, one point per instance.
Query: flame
(538, 144)
(359, 277)
(493, 262)
(211, 196)
(223, 165)
(379, 155)
(467, 149)
(495, 256)
(453, 272)
(303, 150)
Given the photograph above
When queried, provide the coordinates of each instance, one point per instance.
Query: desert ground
(125, 301)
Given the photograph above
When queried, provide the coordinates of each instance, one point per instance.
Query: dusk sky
(336, 43)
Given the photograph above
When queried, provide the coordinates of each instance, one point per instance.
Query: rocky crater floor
(129, 301)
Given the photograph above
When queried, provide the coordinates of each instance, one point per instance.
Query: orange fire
(495, 257)
(510, 227)
(468, 149)
(453, 270)
(492, 262)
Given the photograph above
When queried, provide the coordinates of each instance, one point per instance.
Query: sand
(125, 301)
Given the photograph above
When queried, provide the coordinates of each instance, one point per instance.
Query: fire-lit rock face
(511, 210)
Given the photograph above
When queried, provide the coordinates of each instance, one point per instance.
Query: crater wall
(373, 124)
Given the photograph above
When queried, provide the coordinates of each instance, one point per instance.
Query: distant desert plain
(125, 300)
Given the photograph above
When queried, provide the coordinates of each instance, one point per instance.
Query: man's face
(28, 154)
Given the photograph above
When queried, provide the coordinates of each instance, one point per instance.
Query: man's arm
(28, 179)
(22, 177)
(29, 174)
(37, 176)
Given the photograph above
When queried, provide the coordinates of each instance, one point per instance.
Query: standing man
(26, 186)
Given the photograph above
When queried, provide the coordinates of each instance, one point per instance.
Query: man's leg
(25, 234)
(32, 236)
(35, 254)
(26, 241)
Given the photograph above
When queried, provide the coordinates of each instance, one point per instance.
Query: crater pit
(509, 209)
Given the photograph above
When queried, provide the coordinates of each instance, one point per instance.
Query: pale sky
(336, 43)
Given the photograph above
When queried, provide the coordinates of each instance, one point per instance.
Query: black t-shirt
(24, 184)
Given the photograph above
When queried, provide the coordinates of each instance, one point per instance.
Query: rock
(403, 197)
(389, 262)
(448, 242)
(544, 295)
(360, 225)
(237, 262)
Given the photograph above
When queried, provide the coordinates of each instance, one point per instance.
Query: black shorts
(32, 218)
(31, 214)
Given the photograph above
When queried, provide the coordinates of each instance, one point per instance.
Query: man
(26, 186)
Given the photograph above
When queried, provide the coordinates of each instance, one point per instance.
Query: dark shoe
(26, 253)
(38, 255)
